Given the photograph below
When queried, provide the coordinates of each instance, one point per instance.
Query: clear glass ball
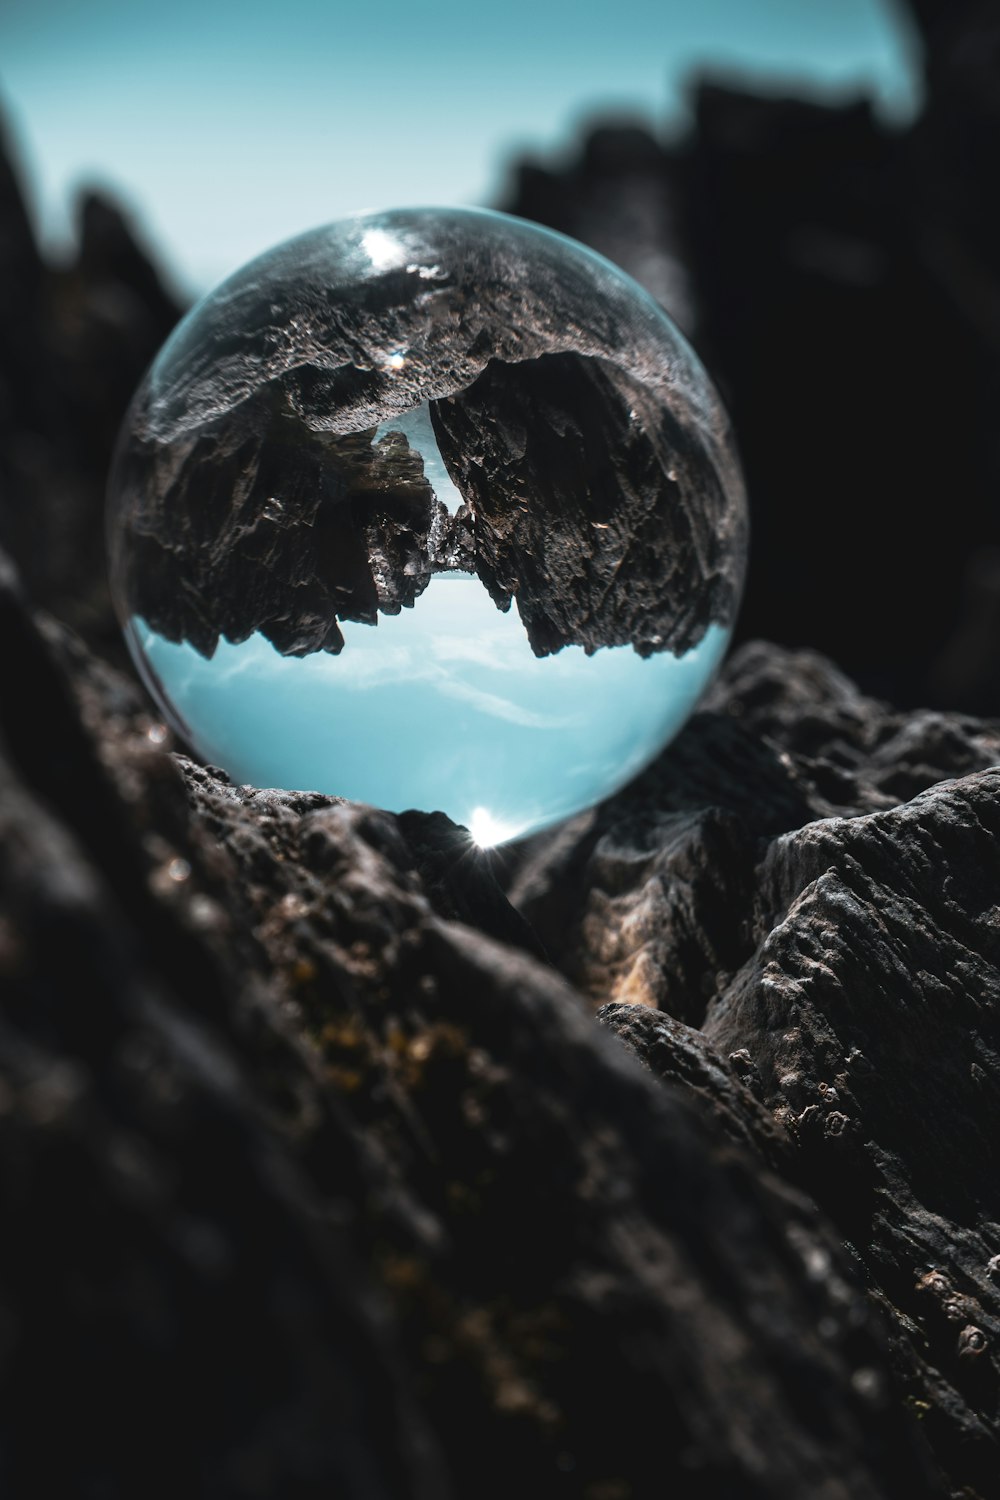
(428, 508)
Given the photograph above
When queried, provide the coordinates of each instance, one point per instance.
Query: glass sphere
(428, 508)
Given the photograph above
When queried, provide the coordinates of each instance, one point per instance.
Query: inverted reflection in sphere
(428, 508)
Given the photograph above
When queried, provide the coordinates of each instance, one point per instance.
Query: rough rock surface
(839, 947)
(309, 1181)
(653, 1157)
(584, 492)
(594, 463)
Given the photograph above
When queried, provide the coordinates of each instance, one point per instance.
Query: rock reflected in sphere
(429, 508)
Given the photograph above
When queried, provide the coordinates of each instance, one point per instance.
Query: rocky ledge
(321, 1174)
(655, 1156)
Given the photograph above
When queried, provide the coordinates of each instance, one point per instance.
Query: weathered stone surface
(725, 1089)
(595, 506)
(595, 466)
(177, 1297)
(348, 1193)
(318, 1174)
(252, 522)
(648, 899)
(870, 1011)
(836, 949)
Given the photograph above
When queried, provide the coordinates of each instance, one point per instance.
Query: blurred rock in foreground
(841, 279)
(312, 1187)
(653, 1157)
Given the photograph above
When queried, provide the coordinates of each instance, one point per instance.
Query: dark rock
(622, 195)
(74, 342)
(307, 1182)
(594, 467)
(607, 552)
(843, 286)
(460, 879)
(21, 276)
(318, 1174)
(253, 522)
(871, 1001)
(649, 899)
(840, 959)
(728, 1092)
(172, 1284)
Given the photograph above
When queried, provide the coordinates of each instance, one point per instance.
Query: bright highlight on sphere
(485, 830)
(428, 508)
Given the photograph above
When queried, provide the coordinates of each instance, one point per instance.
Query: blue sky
(228, 126)
(443, 706)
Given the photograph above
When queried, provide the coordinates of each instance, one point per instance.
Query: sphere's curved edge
(408, 404)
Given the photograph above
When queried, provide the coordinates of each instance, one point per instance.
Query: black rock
(255, 491)
(654, 1156)
(74, 342)
(841, 281)
(309, 1185)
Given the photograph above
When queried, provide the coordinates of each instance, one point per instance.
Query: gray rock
(594, 462)
(306, 1178)
(837, 952)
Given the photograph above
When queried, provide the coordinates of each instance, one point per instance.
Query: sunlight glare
(486, 830)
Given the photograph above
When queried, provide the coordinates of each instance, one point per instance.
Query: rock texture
(652, 1157)
(311, 1184)
(598, 488)
(839, 949)
(842, 282)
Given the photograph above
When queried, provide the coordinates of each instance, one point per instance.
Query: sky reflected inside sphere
(429, 509)
(232, 127)
(505, 740)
